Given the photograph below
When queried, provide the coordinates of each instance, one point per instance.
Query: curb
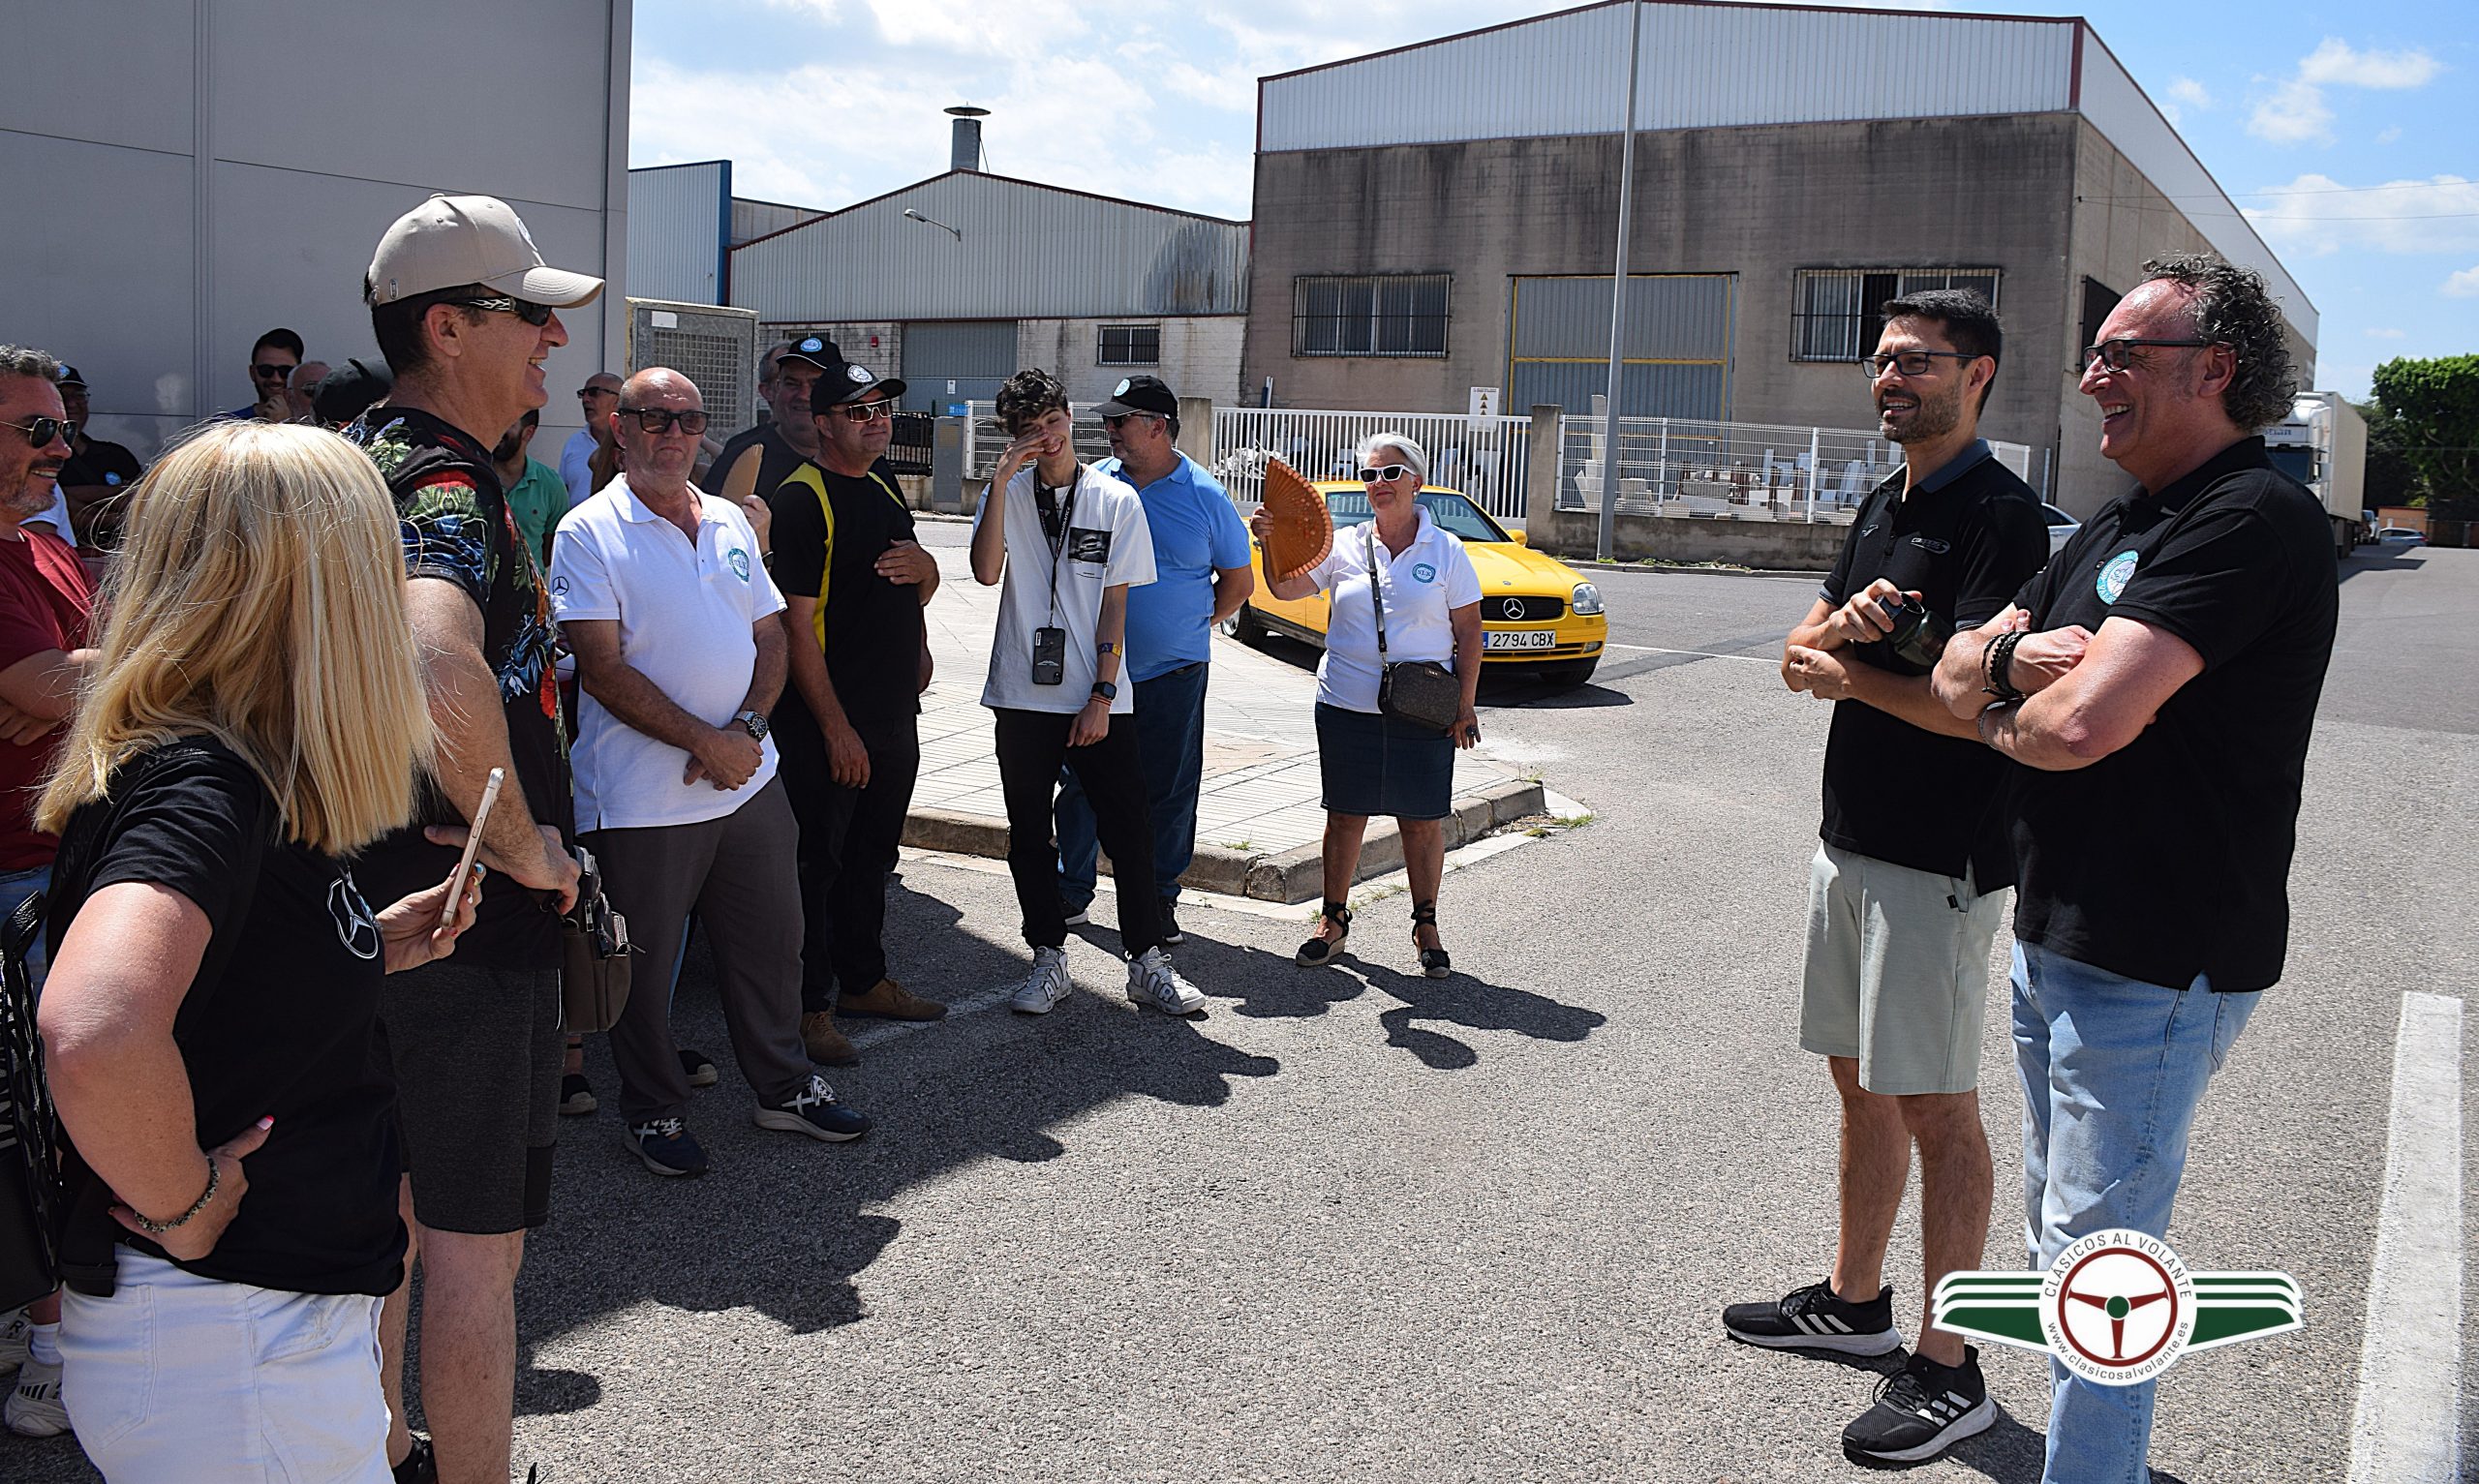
(1295, 876)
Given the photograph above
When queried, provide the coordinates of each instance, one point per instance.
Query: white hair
(1410, 452)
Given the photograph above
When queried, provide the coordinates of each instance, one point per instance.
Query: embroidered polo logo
(1926, 544)
(740, 563)
(2115, 576)
(1088, 545)
(1423, 572)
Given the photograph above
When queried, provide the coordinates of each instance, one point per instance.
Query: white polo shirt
(1432, 577)
(1107, 543)
(688, 615)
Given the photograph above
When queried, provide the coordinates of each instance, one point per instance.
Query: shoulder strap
(1377, 594)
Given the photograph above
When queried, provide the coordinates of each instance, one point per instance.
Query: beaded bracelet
(1996, 663)
(214, 1178)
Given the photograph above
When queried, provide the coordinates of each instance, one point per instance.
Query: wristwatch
(1104, 690)
(752, 723)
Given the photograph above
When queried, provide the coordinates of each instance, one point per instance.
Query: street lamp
(915, 216)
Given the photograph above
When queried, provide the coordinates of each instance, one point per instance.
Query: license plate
(1520, 639)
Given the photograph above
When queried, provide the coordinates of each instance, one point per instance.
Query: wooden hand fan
(1299, 529)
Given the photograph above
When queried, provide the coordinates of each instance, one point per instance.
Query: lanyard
(1056, 536)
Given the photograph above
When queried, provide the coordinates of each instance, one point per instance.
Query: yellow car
(1536, 612)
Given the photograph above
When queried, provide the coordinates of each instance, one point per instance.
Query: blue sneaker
(667, 1147)
(814, 1111)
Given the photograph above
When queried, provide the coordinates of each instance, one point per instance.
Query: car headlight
(1586, 599)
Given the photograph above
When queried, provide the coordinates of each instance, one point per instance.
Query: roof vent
(964, 153)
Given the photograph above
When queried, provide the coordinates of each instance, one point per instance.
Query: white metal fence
(1686, 467)
(1483, 457)
(984, 437)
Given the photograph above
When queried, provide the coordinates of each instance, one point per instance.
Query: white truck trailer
(2322, 444)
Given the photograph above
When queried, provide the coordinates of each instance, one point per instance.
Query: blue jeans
(15, 888)
(1170, 743)
(2112, 1069)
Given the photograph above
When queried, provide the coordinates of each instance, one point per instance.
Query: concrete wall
(877, 344)
(1759, 202)
(1200, 354)
(1783, 546)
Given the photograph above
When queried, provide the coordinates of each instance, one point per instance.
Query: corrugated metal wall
(1703, 66)
(677, 217)
(1028, 251)
(1678, 344)
(756, 218)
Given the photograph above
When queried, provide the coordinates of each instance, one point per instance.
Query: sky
(2350, 133)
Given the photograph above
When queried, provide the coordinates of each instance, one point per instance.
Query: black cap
(1140, 394)
(848, 382)
(351, 390)
(68, 377)
(815, 349)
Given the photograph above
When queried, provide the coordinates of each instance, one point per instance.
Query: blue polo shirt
(1196, 533)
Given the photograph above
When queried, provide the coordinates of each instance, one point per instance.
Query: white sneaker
(14, 1336)
(1046, 986)
(1151, 981)
(34, 1408)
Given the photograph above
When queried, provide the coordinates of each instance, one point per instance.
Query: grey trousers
(737, 872)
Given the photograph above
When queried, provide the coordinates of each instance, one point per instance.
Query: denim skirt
(1372, 764)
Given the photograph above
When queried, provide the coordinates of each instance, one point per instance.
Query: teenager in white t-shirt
(1068, 542)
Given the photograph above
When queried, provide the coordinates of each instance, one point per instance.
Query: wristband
(1996, 663)
(1981, 724)
(214, 1179)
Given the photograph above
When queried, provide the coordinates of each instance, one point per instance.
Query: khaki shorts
(1897, 972)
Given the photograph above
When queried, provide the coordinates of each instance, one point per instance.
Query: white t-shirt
(687, 617)
(56, 515)
(1432, 577)
(1107, 543)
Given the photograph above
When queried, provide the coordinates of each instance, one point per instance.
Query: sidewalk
(1258, 820)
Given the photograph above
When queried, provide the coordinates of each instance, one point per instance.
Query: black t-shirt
(100, 463)
(1965, 543)
(282, 1019)
(776, 458)
(2170, 856)
(458, 527)
(871, 628)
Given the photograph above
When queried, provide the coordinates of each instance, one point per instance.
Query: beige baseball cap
(451, 240)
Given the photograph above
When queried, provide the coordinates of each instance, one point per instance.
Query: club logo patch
(1120, 390)
(739, 560)
(859, 375)
(1925, 544)
(810, 346)
(2115, 576)
(1088, 545)
(1423, 572)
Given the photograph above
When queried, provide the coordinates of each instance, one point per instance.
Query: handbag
(594, 956)
(1421, 692)
(30, 1197)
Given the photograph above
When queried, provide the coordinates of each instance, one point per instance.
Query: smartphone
(1050, 657)
(472, 843)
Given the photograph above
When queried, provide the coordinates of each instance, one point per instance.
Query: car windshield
(1455, 513)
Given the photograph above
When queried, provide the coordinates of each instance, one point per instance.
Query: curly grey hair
(27, 361)
(2230, 306)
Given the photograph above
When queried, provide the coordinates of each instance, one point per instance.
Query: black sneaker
(1167, 928)
(814, 1111)
(1921, 1411)
(698, 1068)
(1816, 1319)
(667, 1147)
(576, 1094)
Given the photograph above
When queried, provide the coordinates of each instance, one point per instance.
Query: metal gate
(976, 355)
(1678, 344)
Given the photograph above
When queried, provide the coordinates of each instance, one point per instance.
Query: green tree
(2435, 404)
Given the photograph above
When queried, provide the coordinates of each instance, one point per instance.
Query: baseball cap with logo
(68, 377)
(1139, 394)
(814, 351)
(452, 240)
(849, 381)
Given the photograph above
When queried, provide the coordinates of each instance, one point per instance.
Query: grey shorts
(1897, 972)
(476, 1052)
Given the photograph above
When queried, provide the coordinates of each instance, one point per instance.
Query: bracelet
(214, 1179)
(1996, 663)
(1980, 724)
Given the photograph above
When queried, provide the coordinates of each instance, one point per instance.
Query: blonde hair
(258, 598)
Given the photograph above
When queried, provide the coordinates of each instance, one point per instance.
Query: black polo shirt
(829, 531)
(2170, 856)
(1966, 540)
(100, 463)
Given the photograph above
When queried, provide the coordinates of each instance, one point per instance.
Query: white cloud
(2293, 114)
(2384, 334)
(2317, 214)
(2389, 134)
(2183, 94)
(2463, 285)
(2334, 62)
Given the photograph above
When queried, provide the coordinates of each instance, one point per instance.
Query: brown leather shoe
(890, 1001)
(827, 1045)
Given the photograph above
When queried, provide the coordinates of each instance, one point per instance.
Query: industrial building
(684, 222)
(198, 171)
(1443, 216)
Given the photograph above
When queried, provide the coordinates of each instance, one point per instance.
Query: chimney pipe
(965, 151)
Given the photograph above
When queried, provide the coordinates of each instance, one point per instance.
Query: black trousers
(848, 842)
(1033, 746)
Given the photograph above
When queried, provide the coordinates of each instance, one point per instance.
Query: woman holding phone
(254, 717)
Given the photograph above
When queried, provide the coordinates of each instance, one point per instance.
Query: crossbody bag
(1420, 691)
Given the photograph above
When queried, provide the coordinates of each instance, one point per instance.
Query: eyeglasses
(1910, 363)
(267, 371)
(868, 412)
(1124, 418)
(660, 420)
(591, 392)
(2118, 354)
(522, 309)
(41, 431)
(1390, 471)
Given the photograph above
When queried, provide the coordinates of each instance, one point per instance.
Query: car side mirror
(1520, 538)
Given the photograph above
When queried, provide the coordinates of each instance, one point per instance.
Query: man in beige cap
(465, 311)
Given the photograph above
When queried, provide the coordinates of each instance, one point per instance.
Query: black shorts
(477, 1053)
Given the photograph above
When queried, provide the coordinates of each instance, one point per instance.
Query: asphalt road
(1358, 1224)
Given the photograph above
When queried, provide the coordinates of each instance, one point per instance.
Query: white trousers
(178, 1377)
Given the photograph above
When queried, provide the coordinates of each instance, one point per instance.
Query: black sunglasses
(868, 412)
(1122, 420)
(2118, 354)
(595, 391)
(41, 431)
(522, 309)
(662, 419)
(1910, 363)
(267, 370)
(1390, 471)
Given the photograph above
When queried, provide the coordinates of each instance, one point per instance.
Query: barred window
(1836, 314)
(1397, 314)
(1131, 345)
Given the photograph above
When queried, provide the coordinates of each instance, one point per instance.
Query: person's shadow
(1459, 999)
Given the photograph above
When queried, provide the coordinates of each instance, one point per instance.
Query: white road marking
(1647, 649)
(2407, 1427)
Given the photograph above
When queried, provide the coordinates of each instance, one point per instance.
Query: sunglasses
(522, 309)
(659, 420)
(868, 412)
(1390, 471)
(1910, 363)
(591, 392)
(2119, 355)
(1124, 418)
(41, 431)
(268, 372)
